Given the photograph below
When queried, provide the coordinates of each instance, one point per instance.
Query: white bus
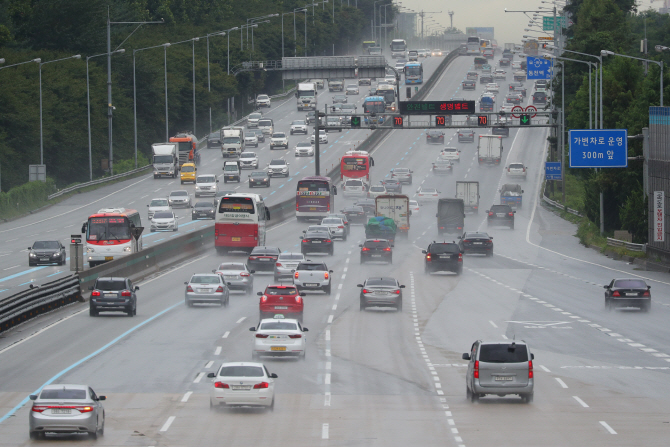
(473, 45)
(398, 48)
(240, 222)
(108, 235)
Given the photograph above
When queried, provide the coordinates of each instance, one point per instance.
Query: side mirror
(532, 356)
(330, 271)
(147, 206)
(217, 180)
(229, 284)
(522, 191)
(213, 271)
(91, 287)
(137, 288)
(605, 287)
(186, 282)
(252, 329)
(303, 294)
(359, 285)
(273, 376)
(305, 329)
(466, 356)
(514, 211)
(487, 211)
(423, 251)
(402, 286)
(259, 293)
(252, 271)
(102, 397)
(211, 375)
(33, 397)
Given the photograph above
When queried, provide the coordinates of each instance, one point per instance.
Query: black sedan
(263, 258)
(203, 210)
(376, 250)
(435, 137)
(214, 140)
(513, 99)
(500, 129)
(469, 84)
(485, 79)
(368, 205)
(627, 292)
(392, 185)
(480, 243)
(316, 241)
(355, 214)
(259, 178)
(443, 257)
(46, 252)
(466, 135)
(259, 134)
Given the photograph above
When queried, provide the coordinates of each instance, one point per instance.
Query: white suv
(263, 101)
(298, 126)
(278, 166)
(206, 185)
(451, 154)
(516, 170)
(278, 139)
(248, 160)
(354, 188)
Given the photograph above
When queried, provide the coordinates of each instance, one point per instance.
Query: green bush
(25, 198)
(122, 166)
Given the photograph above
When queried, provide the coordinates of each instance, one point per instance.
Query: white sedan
(279, 336)
(414, 207)
(492, 87)
(425, 195)
(251, 139)
(500, 74)
(242, 384)
(323, 137)
(304, 149)
(164, 221)
(451, 154)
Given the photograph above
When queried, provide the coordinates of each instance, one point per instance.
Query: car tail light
(221, 385)
(428, 257)
(262, 336)
(397, 292)
(296, 275)
(510, 214)
(253, 258)
(189, 288)
(295, 336)
(125, 293)
(305, 240)
(298, 299)
(84, 408)
(387, 249)
(524, 169)
(264, 299)
(340, 226)
(530, 369)
(365, 249)
(616, 293)
(475, 373)
(328, 241)
(467, 241)
(39, 408)
(278, 264)
(297, 208)
(460, 257)
(258, 386)
(219, 289)
(366, 291)
(245, 274)
(325, 275)
(95, 293)
(507, 169)
(646, 293)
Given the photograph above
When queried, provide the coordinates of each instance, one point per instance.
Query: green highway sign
(548, 22)
(524, 119)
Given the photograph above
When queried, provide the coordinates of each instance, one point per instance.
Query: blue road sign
(552, 170)
(599, 148)
(538, 68)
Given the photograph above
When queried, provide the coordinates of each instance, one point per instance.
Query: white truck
(396, 207)
(232, 141)
(336, 85)
(469, 193)
(489, 149)
(306, 94)
(165, 159)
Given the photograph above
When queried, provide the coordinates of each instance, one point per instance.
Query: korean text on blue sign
(552, 170)
(599, 148)
(538, 68)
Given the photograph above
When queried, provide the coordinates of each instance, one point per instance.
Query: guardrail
(96, 182)
(627, 245)
(286, 93)
(561, 206)
(28, 304)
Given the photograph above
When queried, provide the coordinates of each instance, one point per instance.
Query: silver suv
(500, 368)
(312, 275)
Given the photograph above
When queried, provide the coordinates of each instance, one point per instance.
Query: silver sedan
(66, 409)
(286, 265)
(336, 227)
(237, 276)
(206, 288)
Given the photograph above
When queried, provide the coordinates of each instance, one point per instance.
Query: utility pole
(422, 14)
(451, 19)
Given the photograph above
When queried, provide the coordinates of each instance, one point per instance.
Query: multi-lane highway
(375, 378)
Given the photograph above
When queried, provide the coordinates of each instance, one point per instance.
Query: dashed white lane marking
(199, 377)
(326, 379)
(560, 382)
(186, 396)
(581, 402)
(327, 334)
(330, 318)
(168, 423)
(504, 336)
(493, 324)
(608, 428)
(326, 402)
(241, 320)
(209, 364)
(226, 334)
(324, 431)
(544, 368)
(217, 351)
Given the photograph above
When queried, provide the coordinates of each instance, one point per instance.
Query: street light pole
(38, 60)
(76, 56)
(195, 39)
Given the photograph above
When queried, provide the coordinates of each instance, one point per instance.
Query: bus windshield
(108, 228)
(313, 186)
(473, 39)
(398, 45)
(354, 163)
(237, 205)
(374, 106)
(413, 70)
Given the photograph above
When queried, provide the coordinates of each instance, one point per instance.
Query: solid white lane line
(209, 364)
(560, 382)
(241, 320)
(186, 396)
(199, 377)
(324, 431)
(168, 423)
(581, 402)
(607, 427)
(493, 324)
(326, 379)
(217, 351)
(226, 334)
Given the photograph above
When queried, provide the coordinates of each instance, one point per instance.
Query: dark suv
(376, 250)
(263, 258)
(113, 294)
(443, 257)
(501, 215)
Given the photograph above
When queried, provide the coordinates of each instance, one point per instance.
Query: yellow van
(187, 174)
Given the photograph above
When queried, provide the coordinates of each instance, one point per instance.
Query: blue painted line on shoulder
(25, 272)
(93, 354)
(282, 185)
(24, 283)
(157, 240)
(54, 274)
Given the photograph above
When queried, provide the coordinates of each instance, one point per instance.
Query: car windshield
(630, 284)
(248, 155)
(413, 203)
(279, 326)
(298, 122)
(214, 136)
(376, 188)
(281, 291)
(265, 123)
(353, 183)
(278, 162)
(353, 209)
(161, 202)
(110, 284)
(291, 257)
(206, 179)
(241, 371)
(331, 221)
(313, 267)
(385, 282)
(438, 249)
(204, 205)
(41, 245)
(63, 394)
(516, 165)
(178, 193)
(278, 135)
(259, 174)
(205, 279)
(163, 216)
(476, 235)
(503, 353)
(500, 209)
(255, 116)
(376, 244)
(232, 266)
(263, 97)
(304, 144)
(187, 169)
(429, 191)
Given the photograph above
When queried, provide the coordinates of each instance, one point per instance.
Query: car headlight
(90, 249)
(33, 255)
(127, 249)
(55, 255)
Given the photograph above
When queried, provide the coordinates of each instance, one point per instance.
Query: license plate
(316, 242)
(281, 307)
(500, 214)
(311, 285)
(44, 259)
(278, 348)
(264, 259)
(110, 295)
(632, 294)
(204, 290)
(109, 258)
(230, 278)
(236, 239)
(478, 243)
(240, 387)
(312, 209)
(60, 411)
(504, 378)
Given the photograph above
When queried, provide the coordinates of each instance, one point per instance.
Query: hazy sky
(509, 27)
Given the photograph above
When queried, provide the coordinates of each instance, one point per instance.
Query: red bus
(313, 198)
(356, 164)
(108, 235)
(240, 222)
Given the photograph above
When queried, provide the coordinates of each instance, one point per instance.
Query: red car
(279, 299)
